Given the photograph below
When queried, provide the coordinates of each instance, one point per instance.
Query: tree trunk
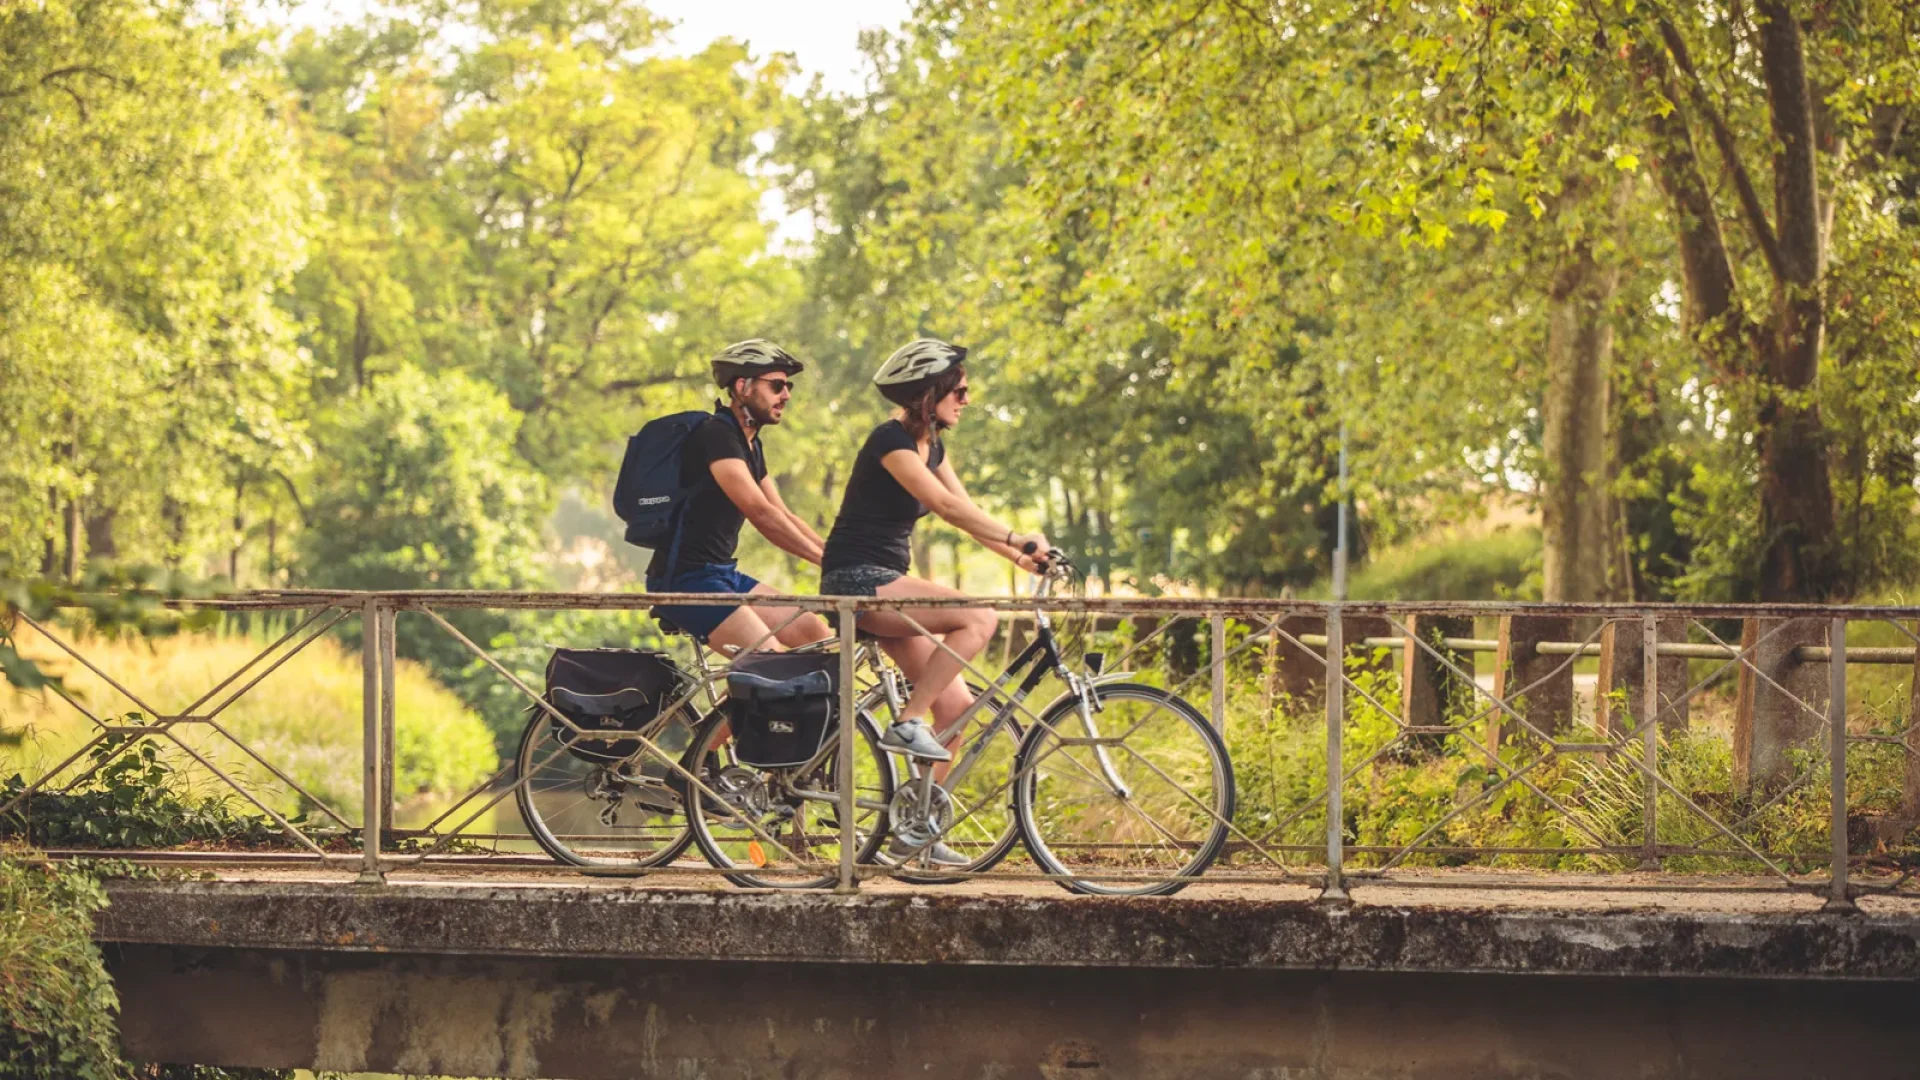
(273, 552)
(362, 344)
(50, 553)
(922, 553)
(1798, 559)
(76, 540)
(239, 531)
(100, 541)
(1796, 494)
(1576, 507)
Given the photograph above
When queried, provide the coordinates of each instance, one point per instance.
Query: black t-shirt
(875, 524)
(710, 527)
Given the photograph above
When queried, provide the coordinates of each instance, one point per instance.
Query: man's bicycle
(623, 807)
(1115, 787)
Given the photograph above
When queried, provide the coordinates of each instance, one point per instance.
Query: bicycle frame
(1040, 658)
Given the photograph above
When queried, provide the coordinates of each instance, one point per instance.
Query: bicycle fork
(1084, 694)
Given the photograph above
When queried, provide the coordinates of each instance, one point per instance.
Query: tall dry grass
(305, 718)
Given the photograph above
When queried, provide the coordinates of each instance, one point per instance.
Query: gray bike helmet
(751, 359)
(906, 373)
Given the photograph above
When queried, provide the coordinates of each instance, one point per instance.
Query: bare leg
(965, 631)
(912, 655)
(796, 627)
(748, 627)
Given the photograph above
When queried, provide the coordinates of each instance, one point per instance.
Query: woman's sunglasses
(960, 393)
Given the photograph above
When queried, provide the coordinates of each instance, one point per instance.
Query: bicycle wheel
(797, 809)
(1138, 805)
(979, 820)
(588, 811)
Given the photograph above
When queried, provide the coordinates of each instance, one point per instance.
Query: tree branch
(1754, 214)
(1712, 293)
(1796, 190)
(622, 385)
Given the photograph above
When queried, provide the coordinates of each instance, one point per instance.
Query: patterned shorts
(856, 580)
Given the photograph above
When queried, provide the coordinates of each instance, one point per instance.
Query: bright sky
(825, 36)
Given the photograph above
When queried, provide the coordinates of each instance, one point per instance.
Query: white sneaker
(937, 853)
(914, 739)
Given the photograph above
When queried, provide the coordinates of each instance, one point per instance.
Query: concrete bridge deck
(542, 974)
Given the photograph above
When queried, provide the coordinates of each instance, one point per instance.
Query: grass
(305, 718)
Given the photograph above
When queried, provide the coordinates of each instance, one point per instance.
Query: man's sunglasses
(779, 386)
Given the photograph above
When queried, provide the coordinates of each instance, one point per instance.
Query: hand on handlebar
(1034, 551)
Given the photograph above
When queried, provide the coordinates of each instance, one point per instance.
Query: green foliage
(154, 209)
(59, 1002)
(423, 480)
(133, 799)
(54, 990)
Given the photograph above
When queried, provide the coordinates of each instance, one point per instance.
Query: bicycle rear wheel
(1138, 804)
(585, 810)
(797, 809)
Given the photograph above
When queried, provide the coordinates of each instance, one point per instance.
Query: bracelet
(1009, 540)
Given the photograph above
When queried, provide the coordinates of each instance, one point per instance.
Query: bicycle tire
(1043, 741)
(561, 769)
(721, 853)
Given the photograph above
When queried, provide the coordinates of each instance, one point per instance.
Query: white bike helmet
(906, 373)
(751, 359)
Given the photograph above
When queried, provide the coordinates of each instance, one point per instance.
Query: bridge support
(1619, 691)
(1782, 701)
(615, 1018)
(1521, 670)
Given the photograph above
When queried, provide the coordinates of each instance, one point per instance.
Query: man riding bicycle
(726, 465)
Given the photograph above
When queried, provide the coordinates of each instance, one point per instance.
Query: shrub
(1499, 564)
(132, 800)
(54, 990)
(60, 1004)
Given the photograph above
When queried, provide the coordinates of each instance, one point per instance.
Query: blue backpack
(648, 495)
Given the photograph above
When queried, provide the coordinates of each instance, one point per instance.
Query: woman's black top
(877, 515)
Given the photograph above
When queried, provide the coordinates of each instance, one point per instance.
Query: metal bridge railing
(1367, 739)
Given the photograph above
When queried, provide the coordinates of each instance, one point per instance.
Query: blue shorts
(700, 620)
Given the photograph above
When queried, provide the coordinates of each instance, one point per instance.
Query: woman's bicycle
(1114, 787)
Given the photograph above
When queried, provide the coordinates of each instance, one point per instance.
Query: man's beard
(761, 417)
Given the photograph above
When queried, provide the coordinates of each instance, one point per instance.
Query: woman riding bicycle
(902, 473)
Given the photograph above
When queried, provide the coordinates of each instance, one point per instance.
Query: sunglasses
(779, 386)
(960, 393)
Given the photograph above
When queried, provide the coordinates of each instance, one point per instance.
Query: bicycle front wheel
(1130, 797)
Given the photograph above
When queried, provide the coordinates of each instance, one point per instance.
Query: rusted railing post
(371, 621)
(1838, 896)
(1336, 888)
(1649, 736)
(389, 720)
(849, 786)
(1217, 705)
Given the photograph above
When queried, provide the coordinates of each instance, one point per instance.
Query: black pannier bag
(782, 706)
(608, 690)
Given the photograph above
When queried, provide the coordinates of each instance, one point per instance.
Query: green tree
(152, 209)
